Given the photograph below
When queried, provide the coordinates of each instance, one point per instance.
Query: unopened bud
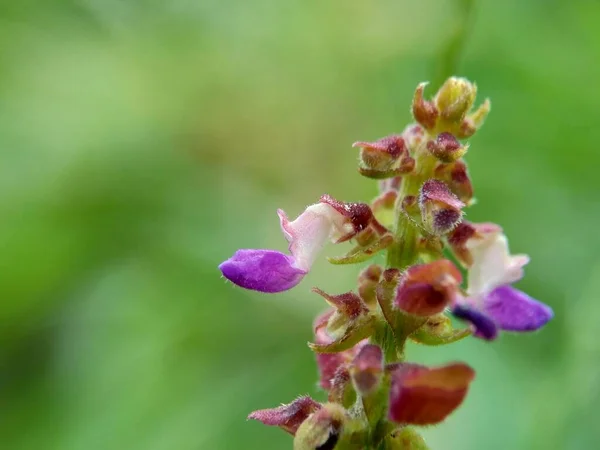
(446, 148)
(424, 111)
(426, 289)
(368, 280)
(426, 396)
(340, 329)
(406, 438)
(455, 98)
(367, 369)
(381, 154)
(413, 136)
(438, 330)
(441, 210)
(322, 430)
(474, 121)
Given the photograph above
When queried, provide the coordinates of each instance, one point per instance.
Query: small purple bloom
(492, 304)
(272, 271)
(262, 270)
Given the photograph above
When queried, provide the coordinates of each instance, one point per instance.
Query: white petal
(311, 230)
(493, 265)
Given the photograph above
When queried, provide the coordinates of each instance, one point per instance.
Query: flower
(491, 303)
(273, 271)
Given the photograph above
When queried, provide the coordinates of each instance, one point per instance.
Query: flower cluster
(375, 399)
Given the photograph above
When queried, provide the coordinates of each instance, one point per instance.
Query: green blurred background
(143, 142)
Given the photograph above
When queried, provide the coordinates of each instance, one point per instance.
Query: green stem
(447, 62)
(404, 252)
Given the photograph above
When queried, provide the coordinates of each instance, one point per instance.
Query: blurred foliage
(142, 142)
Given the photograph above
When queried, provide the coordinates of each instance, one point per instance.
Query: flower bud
(367, 369)
(426, 289)
(426, 396)
(328, 363)
(424, 111)
(413, 137)
(474, 121)
(288, 417)
(368, 279)
(440, 208)
(446, 148)
(383, 207)
(381, 154)
(385, 293)
(345, 326)
(341, 390)
(438, 330)
(455, 98)
(322, 430)
(456, 177)
(406, 438)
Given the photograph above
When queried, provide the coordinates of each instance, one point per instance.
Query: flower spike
(374, 399)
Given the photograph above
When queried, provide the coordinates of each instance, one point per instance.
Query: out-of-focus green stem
(447, 62)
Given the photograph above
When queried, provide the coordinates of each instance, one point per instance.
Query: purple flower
(492, 304)
(273, 271)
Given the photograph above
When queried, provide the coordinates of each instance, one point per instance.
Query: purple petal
(514, 310)
(262, 270)
(485, 327)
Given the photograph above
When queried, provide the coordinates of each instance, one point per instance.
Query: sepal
(438, 330)
(328, 363)
(362, 253)
(323, 429)
(401, 323)
(474, 121)
(425, 396)
(288, 417)
(446, 148)
(370, 236)
(349, 323)
(368, 279)
(406, 165)
(406, 438)
(424, 111)
(382, 154)
(342, 391)
(427, 289)
(441, 210)
(456, 176)
(367, 369)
